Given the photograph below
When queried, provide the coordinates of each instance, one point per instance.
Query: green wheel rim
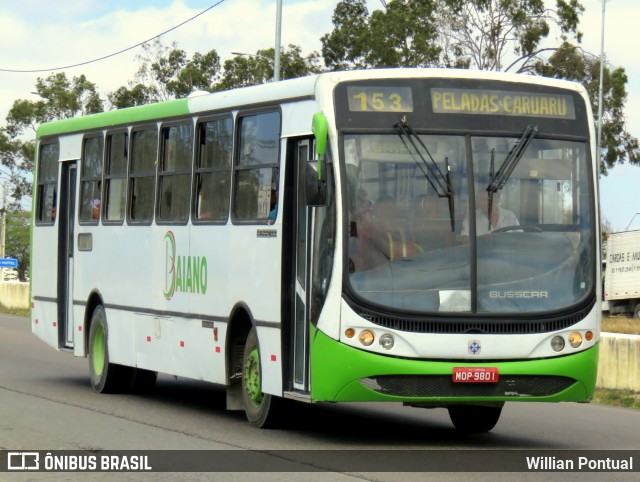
(98, 350)
(252, 376)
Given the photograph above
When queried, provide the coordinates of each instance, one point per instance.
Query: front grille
(494, 326)
(428, 386)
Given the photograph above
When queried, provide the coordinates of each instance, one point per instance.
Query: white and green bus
(311, 239)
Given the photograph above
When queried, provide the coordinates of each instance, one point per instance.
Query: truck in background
(622, 274)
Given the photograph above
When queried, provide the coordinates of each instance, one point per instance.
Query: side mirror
(320, 129)
(315, 176)
(315, 190)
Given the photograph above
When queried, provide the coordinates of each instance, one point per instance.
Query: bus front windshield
(414, 245)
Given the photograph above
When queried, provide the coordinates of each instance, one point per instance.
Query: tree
(166, 73)
(402, 35)
(502, 35)
(246, 70)
(123, 97)
(18, 232)
(60, 98)
(16, 158)
(505, 35)
(570, 62)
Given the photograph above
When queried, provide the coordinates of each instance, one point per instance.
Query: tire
(261, 409)
(474, 418)
(106, 377)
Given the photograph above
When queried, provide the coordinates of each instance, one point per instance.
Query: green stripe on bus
(118, 117)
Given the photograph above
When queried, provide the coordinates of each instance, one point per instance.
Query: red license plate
(475, 374)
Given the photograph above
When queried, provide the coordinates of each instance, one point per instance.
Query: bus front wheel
(474, 418)
(260, 408)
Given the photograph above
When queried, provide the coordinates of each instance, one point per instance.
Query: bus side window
(47, 183)
(142, 175)
(212, 180)
(174, 178)
(91, 180)
(115, 176)
(257, 166)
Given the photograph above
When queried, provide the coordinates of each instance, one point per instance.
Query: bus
(422, 236)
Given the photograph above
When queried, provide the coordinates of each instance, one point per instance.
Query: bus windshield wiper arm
(440, 182)
(499, 179)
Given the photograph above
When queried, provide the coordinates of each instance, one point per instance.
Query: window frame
(134, 176)
(237, 168)
(40, 185)
(161, 174)
(108, 177)
(88, 179)
(199, 171)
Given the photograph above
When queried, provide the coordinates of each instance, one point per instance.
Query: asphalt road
(46, 403)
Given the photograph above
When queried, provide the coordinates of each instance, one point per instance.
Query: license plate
(475, 374)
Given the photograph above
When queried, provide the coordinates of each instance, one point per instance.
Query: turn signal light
(366, 337)
(575, 339)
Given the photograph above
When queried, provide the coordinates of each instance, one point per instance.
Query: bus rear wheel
(106, 377)
(474, 418)
(261, 408)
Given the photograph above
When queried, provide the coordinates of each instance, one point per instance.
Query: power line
(119, 51)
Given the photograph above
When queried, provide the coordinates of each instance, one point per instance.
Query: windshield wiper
(499, 179)
(441, 183)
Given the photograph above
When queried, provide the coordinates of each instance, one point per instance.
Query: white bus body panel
(435, 346)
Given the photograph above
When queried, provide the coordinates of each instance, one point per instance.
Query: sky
(34, 35)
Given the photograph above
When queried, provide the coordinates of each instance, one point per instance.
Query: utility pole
(3, 228)
(276, 61)
(601, 87)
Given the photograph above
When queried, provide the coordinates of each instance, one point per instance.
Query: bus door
(302, 223)
(66, 223)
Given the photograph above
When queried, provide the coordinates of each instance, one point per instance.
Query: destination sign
(380, 99)
(502, 102)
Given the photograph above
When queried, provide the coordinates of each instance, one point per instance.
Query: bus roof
(283, 91)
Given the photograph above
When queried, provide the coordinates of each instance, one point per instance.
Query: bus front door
(300, 338)
(66, 222)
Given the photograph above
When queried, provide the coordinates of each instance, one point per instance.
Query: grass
(621, 324)
(15, 312)
(617, 398)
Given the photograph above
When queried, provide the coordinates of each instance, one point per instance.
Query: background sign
(8, 263)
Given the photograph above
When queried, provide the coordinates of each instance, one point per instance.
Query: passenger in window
(273, 213)
(204, 208)
(391, 236)
(96, 202)
(54, 203)
(500, 217)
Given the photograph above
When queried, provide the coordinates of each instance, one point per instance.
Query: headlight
(557, 343)
(386, 341)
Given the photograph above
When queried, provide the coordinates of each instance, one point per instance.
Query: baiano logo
(183, 274)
